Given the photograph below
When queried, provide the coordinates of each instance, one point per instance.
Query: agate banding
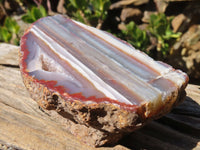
(68, 66)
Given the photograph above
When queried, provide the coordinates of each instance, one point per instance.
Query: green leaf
(8, 24)
(153, 20)
(1, 37)
(106, 5)
(93, 12)
(160, 27)
(96, 4)
(131, 25)
(11, 25)
(78, 16)
(17, 27)
(16, 41)
(35, 13)
(135, 36)
(28, 17)
(5, 35)
(43, 11)
(79, 4)
(73, 2)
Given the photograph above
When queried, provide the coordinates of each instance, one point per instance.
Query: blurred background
(167, 30)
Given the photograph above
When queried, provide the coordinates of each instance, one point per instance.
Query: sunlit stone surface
(99, 86)
(84, 63)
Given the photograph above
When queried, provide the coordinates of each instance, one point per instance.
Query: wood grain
(24, 126)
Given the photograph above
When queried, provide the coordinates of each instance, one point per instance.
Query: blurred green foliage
(9, 29)
(135, 36)
(94, 13)
(34, 14)
(160, 27)
(91, 12)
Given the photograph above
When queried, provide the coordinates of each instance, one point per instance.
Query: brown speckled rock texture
(94, 124)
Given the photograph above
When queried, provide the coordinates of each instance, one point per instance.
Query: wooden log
(24, 126)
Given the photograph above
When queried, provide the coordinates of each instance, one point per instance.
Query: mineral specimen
(98, 85)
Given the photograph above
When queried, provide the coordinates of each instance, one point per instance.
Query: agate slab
(95, 79)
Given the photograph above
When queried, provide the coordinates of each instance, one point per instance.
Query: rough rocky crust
(94, 124)
(97, 124)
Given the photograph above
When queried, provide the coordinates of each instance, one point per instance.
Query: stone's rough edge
(94, 124)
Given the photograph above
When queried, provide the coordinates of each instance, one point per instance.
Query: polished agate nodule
(80, 63)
